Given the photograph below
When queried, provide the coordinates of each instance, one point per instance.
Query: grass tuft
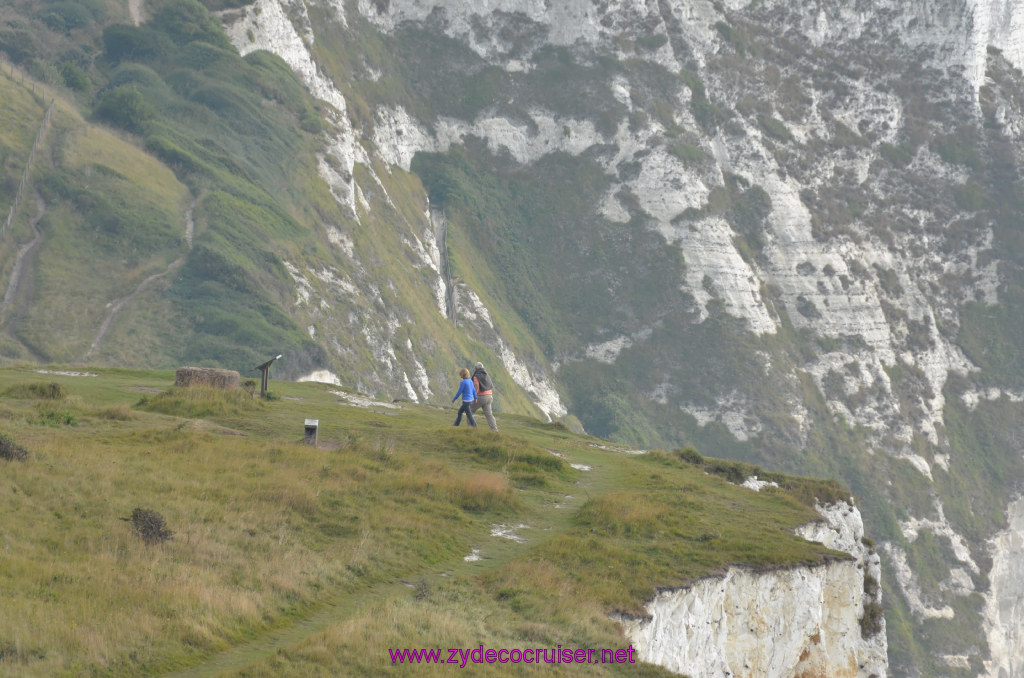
(49, 415)
(195, 402)
(116, 413)
(871, 622)
(37, 391)
(486, 492)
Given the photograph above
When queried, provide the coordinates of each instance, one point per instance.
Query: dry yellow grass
(245, 542)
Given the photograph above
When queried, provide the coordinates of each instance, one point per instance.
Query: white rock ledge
(801, 621)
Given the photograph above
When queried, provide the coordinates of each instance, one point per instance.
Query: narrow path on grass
(23, 252)
(342, 607)
(22, 284)
(269, 643)
(120, 303)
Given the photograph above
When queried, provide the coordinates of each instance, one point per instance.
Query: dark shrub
(37, 391)
(150, 526)
(733, 471)
(186, 20)
(19, 44)
(690, 456)
(74, 76)
(126, 107)
(10, 450)
(871, 622)
(122, 42)
(65, 16)
(143, 77)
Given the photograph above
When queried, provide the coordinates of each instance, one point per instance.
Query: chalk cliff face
(798, 622)
(784, 232)
(1005, 601)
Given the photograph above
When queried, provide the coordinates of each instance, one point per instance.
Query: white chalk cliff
(1005, 602)
(802, 621)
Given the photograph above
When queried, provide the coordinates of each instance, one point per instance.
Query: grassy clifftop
(285, 559)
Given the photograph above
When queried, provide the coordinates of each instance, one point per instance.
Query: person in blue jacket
(468, 393)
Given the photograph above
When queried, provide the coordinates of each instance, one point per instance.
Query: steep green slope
(111, 207)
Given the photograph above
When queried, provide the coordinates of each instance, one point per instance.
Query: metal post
(265, 369)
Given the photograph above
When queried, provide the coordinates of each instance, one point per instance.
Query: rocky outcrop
(1004, 610)
(809, 621)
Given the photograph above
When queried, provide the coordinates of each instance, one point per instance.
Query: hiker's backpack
(484, 380)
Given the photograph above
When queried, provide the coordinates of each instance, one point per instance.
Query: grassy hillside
(285, 559)
(184, 217)
(169, 124)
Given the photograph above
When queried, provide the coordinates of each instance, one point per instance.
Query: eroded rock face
(779, 624)
(805, 621)
(821, 166)
(853, 286)
(1004, 610)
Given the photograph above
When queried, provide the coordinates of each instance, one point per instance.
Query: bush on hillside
(126, 107)
(10, 450)
(143, 77)
(219, 5)
(19, 44)
(51, 415)
(122, 42)
(173, 154)
(186, 21)
(74, 76)
(66, 16)
(200, 401)
(150, 526)
(690, 456)
(871, 622)
(37, 391)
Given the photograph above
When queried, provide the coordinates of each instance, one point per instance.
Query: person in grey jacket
(484, 394)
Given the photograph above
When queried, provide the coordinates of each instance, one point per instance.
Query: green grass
(285, 559)
(22, 114)
(536, 232)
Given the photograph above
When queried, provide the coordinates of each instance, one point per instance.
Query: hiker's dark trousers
(467, 409)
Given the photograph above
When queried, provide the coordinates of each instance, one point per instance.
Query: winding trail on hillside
(21, 284)
(120, 303)
(343, 607)
(17, 272)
